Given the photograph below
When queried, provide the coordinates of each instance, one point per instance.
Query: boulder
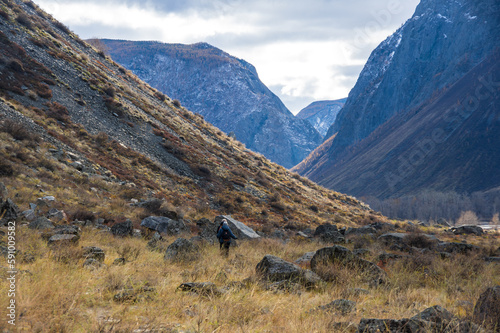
(181, 249)
(324, 228)
(29, 215)
(122, 229)
(393, 238)
(392, 326)
(437, 315)
(93, 252)
(467, 230)
(208, 230)
(8, 211)
(339, 255)
(119, 261)
(57, 215)
(365, 230)
(275, 269)
(341, 306)
(462, 248)
(41, 223)
(63, 239)
(238, 228)
(487, 309)
(163, 224)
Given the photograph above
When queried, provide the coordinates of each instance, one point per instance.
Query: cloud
(304, 50)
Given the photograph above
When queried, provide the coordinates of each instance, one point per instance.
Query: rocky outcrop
(225, 90)
(467, 230)
(122, 229)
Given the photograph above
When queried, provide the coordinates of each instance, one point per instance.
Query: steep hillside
(435, 63)
(79, 127)
(223, 89)
(322, 114)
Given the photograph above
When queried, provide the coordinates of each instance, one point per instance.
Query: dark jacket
(221, 231)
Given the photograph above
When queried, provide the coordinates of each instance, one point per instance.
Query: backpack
(226, 236)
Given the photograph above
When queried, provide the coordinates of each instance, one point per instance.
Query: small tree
(467, 217)
(495, 220)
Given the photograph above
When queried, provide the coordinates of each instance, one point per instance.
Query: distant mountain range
(223, 89)
(425, 111)
(322, 114)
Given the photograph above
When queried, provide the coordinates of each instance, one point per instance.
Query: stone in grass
(41, 223)
(341, 306)
(119, 261)
(201, 288)
(123, 229)
(92, 264)
(487, 309)
(63, 239)
(94, 252)
(182, 249)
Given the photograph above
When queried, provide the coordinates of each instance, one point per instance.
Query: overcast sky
(303, 50)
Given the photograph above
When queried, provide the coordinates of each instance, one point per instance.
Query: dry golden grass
(57, 294)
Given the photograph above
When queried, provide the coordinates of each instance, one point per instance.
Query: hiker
(224, 234)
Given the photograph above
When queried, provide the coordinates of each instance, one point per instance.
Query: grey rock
(181, 249)
(9, 211)
(275, 269)
(365, 230)
(341, 306)
(93, 252)
(92, 263)
(122, 229)
(119, 261)
(163, 225)
(238, 228)
(3, 192)
(156, 241)
(305, 259)
(322, 114)
(29, 215)
(63, 239)
(487, 309)
(41, 223)
(56, 215)
(468, 230)
(492, 259)
(393, 326)
(450, 247)
(339, 255)
(324, 228)
(435, 314)
(392, 238)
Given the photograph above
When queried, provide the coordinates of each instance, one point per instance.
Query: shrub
(6, 169)
(44, 91)
(17, 130)
(176, 103)
(81, 215)
(16, 65)
(24, 20)
(101, 138)
(110, 91)
(62, 27)
(57, 111)
(3, 14)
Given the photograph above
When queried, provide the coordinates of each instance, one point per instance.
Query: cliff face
(322, 114)
(225, 90)
(421, 62)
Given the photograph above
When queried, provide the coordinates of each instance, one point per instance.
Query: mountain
(424, 112)
(322, 114)
(78, 128)
(225, 90)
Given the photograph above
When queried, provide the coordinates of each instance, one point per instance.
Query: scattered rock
(41, 223)
(275, 269)
(365, 230)
(93, 252)
(29, 215)
(487, 309)
(208, 289)
(238, 228)
(134, 295)
(392, 238)
(339, 255)
(181, 249)
(163, 224)
(92, 263)
(467, 230)
(57, 215)
(122, 229)
(435, 314)
(119, 261)
(305, 260)
(208, 230)
(8, 211)
(341, 306)
(63, 239)
(461, 248)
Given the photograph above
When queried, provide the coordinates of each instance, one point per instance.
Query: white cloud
(304, 51)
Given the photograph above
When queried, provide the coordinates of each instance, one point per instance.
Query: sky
(303, 51)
